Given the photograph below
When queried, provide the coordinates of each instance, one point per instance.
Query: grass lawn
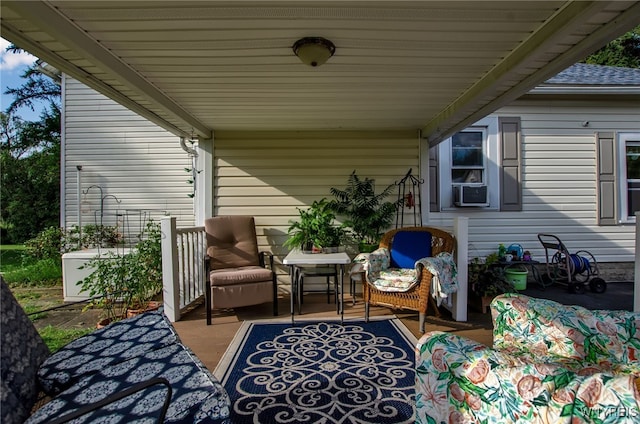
(20, 271)
(37, 285)
(10, 256)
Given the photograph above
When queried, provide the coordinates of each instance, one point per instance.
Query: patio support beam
(67, 32)
(572, 18)
(636, 274)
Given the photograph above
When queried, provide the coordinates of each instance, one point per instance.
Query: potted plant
(367, 214)
(315, 229)
(487, 281)
(128, 281)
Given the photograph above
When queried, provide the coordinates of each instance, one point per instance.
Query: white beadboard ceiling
(195, 67)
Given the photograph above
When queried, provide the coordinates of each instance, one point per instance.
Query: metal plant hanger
(409, 199)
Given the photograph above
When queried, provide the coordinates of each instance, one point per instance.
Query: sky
(11, 67)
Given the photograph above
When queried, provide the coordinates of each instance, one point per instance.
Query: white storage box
(72, 274)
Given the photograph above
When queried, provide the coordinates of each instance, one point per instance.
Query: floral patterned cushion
(196, 394)
(551, 332)
(110, 345)
(461, 381)
(377, 267)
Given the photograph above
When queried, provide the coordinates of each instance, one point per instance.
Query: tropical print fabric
(552, 332)
(549, 364)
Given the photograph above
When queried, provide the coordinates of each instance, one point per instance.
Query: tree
(624, 51)
(30, 160)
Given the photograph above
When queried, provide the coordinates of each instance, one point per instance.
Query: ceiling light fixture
(313, 51)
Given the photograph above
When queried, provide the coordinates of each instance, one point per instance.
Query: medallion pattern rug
(321, 372)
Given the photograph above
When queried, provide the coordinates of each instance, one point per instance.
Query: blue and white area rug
(321, 372)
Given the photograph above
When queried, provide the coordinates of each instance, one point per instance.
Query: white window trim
(492, 167)
(623, 138)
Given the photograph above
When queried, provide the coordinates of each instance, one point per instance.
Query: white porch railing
(183, 251)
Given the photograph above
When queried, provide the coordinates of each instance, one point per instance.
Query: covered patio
(225, 76)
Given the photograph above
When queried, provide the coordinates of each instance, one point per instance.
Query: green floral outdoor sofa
(549, 363)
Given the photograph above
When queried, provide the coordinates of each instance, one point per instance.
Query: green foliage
(10, 256)
(29, 176)
(55, 337)
(40, 273)
(367, 213)
(52, 242)
(30, 159)
(92, 236)
(46, 245)
(127, 281)
(485, 279)
(316, 227)
(624, 51)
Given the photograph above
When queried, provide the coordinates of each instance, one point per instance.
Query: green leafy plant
(367, 214)
(127, 281)
(316, 227)
(485, 279)
(52, 242)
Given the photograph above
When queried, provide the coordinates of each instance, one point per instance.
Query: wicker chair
(418, 297)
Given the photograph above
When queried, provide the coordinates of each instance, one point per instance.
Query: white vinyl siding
(269, 175)
(130, 158)
(559, 193)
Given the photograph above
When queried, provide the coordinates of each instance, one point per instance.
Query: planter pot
(151, 306)
(485, 302)
(103, 323)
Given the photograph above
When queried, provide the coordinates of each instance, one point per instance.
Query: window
(469, 159)
(468, 156)
(629, 189)
(483, 162)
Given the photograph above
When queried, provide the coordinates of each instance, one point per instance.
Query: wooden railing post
(170, 271)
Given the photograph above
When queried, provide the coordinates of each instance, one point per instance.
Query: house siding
(559, 182)
(269, 175)
(130, 158)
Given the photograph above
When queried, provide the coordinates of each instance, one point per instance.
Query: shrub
(46, 245)
(52, 242)
(127, 280)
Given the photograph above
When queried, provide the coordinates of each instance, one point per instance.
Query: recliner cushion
(115, 343)
(231, 241)
(241, 275)
(197, 396)
(408, 247)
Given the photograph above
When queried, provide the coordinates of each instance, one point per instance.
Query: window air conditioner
(470, 195)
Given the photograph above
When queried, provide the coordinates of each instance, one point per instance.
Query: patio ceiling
(195, 67)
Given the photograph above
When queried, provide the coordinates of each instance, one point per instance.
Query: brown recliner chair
(236, 271)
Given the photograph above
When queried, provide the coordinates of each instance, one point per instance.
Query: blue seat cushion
(409, 246)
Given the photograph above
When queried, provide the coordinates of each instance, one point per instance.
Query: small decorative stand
(410, 199)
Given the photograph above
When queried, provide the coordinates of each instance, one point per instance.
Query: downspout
(193, 155)
(201, 168)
